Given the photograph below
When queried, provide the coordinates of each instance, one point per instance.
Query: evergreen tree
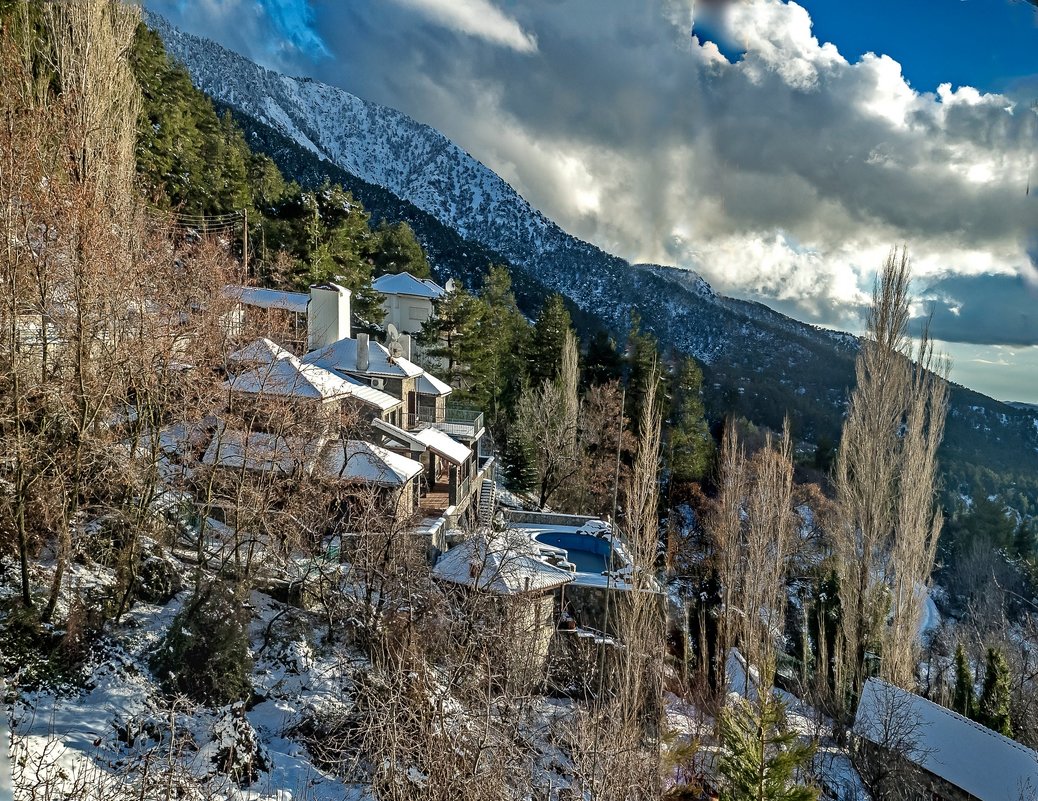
(549, 332)
(205, 653)
(603, 361)
(1024, 544)
(507, 333)
(457, 333)
(690, 444)
(993, 708)
(760, 757)
(643, 365)
(398, 251)
(964, 699)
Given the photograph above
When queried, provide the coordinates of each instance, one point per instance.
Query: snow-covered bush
(205, 654)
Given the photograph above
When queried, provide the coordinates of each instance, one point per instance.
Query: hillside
(758, 363)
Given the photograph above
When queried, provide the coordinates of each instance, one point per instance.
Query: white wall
(407, 313)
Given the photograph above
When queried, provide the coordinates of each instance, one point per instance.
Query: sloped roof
(431, 385)
(976, 759)
(262, 452)
(289, 377)
(383, 401)
(342, 355)
(499, 565)
(407, 284)
(443, 445)
(259, 351)
(398, 434)
(356, 460)
(268, 298)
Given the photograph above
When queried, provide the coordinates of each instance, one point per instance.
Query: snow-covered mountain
(759, 363)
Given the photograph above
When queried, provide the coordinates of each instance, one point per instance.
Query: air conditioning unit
(377, 383)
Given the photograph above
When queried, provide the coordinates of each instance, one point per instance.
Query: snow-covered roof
(443, 445)
(289, 377)
(505, 566)
(268, 298)
(260, 351)
(407, 284)
(398, 434)
(357, 460)
(262, 452)
(431, 385)
(383, 401)
(342, 355)
(976, 759)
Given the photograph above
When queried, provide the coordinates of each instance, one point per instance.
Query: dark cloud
(984, 309)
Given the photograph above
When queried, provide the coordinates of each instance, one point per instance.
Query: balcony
(466, 424)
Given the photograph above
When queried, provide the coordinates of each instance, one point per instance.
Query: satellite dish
(396, 350)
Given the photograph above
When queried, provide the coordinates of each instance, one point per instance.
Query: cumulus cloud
(772, 164)
(478, 18)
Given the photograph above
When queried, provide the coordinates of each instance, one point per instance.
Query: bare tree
(885, 480)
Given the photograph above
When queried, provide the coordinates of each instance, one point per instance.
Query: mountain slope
(758, 362)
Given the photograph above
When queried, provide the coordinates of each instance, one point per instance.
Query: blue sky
(780, 167)
(989, 44)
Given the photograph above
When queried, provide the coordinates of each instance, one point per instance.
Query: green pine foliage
(993, 709)
(508, 334)
(603, 361)
(399, 251)
(964, 698)
(549, 332)
(761, 757)
(690, 446)
(205, 654)
(456, 333)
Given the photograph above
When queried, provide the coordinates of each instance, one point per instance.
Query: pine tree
(643, 360)
(690, 445)
(993, 708)
(457, 333)
(761, 757)
(964, 699)
(549, 332)
(507, 334)
(398, 251)
(602, 362)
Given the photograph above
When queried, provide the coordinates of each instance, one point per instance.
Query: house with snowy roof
(407, 409)
(407, 300)
(521, 589)
(956, 759)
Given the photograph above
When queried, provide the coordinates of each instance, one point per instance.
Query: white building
(408, 300)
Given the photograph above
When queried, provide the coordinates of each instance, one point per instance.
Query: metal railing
(455, 422)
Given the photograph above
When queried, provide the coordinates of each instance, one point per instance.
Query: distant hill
(758, 363)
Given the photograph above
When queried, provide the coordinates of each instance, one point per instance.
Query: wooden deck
(435, 501)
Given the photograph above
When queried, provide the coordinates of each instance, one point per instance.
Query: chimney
(362, 353)
(405, 346)
(327, 315)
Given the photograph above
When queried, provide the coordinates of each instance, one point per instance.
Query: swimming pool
(590, 554)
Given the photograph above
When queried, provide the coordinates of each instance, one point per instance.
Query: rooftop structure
(959, 751)
(500, 565)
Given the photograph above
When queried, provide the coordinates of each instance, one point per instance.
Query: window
(417, 313)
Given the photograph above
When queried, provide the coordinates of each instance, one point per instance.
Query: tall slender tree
(886, 480)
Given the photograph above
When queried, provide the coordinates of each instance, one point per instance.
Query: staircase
(487, 501)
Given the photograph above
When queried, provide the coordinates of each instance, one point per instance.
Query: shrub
(205, 654)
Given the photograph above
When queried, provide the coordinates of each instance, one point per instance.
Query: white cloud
(478, 18)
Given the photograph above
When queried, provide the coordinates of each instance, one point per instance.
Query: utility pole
(245, 240)
(6, 776)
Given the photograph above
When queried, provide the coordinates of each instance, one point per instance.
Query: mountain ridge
(758, 362)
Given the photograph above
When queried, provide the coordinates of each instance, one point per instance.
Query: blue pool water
(590, 554)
